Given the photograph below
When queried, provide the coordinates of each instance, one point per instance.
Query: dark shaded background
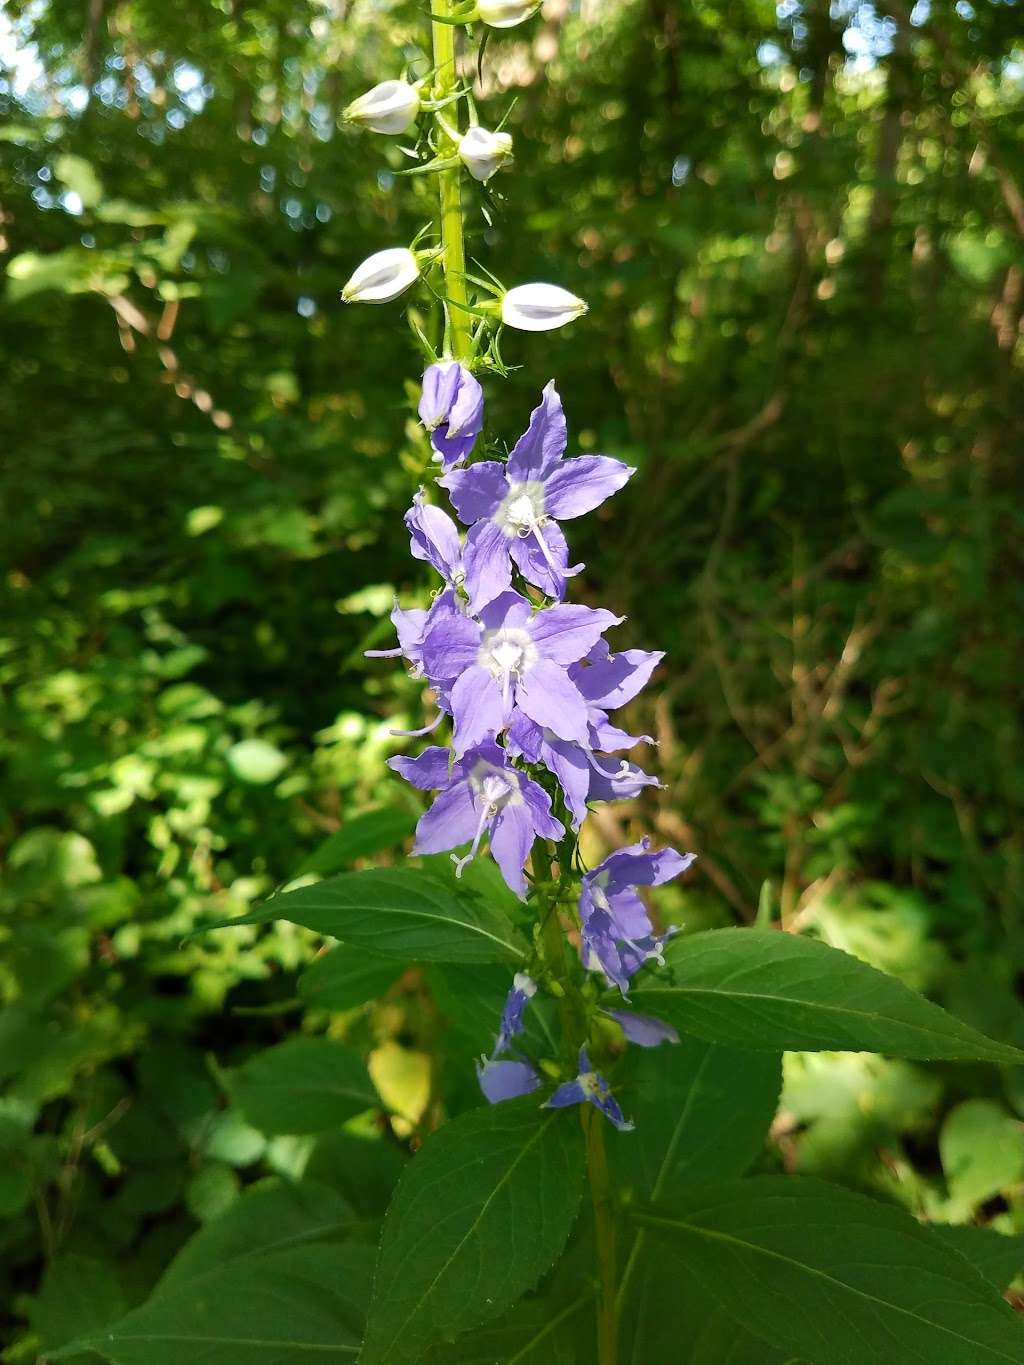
(800, 231)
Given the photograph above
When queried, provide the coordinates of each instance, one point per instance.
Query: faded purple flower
(513, 658)
(589, 1087)
(513, 509)
(642, 1029)
(524, 988)
(481, 794)
(617, 937)
(452, 410)
(506, 1080)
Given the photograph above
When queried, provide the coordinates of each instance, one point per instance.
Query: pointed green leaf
(836, 1277)
(361, 837)
(304, 1085)
(296, 1307)
(396, 913)
(346, 977)
(768, 990)
(478, 1217)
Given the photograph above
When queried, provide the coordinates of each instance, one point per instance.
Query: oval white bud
(540, 307)
(388, 108)
(506, 13)
(382, 276)
(483, 152)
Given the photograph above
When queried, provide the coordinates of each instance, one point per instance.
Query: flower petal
(542, 443)
(488, 568)
(568, 1093)
(564, 633)
(570, 764)
(450, 647)
(575, 487)
(512, 836)
(433, 536)
(540, 809)
(548, 697)
(450, 821)
(477, 708)
(430, 771)
(642, 1029)
(476, 492)
(506, 1080)
(536, 567)
(509, 610)
(615, 679)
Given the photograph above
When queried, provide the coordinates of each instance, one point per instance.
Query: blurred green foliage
(800, 230)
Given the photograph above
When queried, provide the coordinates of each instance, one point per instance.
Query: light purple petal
(433, 536)
(450, 646)
(477, 707)
(512, 836)
(452, 449)
(635, 866)
(565, 633)
(609, 739)
(606, 1102)
(476, 492)
(450, 821)
(612, 779)
(509, 610)
(466, 417)
(568, 1093)
(409, 626)
(551, 700)
(506, 1080)
(524, 738)
(440, 385)
(536, 567)
(429, 772)
(643, 1030)
(575, 487)
(616, 679)
(571, 765)
(488, 568)
(540, 809)
(542, 443)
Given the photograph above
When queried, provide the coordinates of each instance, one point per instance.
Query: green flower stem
(452, 237)
(574, 1029)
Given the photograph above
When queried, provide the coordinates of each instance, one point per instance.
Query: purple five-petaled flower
(513, 509)
(617, 937)
(589, 1087)
(513, 658)
(481, 793)
(452, 410)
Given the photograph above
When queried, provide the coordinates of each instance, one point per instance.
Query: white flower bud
(388, 108)
(506, 13)
(382, 276)
(483, 152)
(540, 307)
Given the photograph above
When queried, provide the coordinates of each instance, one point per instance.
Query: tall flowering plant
(642, 1067)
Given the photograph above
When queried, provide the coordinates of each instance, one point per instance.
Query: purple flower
(481, 793)
(524, 988)
(513, 658)
(642, 1029)
(506, 1080)
(452, 410)
(617, 937)
(513, 509)
(589, 1087)
(433, 536)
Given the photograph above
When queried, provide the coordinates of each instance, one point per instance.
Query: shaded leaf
(304, 1085)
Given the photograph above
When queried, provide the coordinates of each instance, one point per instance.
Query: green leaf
(396, 913)
(80, 177)
(79, 1295)
(996, 1256)
(982, 1150)
(479, 1216)
(774, 991)
(346, 977)
(834, 1276)
(304, 1085)
(294, 1307)
(363, 1170)
(272, 1216)
(690, 1129)
(361, 837)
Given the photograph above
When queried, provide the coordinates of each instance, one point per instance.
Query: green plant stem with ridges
(574, 1026)
(450, 181)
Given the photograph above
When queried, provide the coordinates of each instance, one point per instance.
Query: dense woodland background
(801, 232)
